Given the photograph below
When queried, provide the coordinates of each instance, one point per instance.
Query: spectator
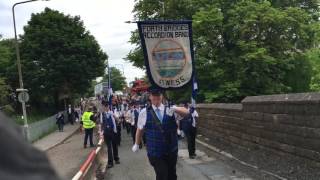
(60, 121)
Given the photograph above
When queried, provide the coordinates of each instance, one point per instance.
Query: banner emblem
(168, 52)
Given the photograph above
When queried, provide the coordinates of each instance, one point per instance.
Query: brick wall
(283, 124)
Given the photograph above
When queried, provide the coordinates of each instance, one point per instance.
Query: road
(135, 166)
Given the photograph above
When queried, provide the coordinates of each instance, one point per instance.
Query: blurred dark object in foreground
(19, 159)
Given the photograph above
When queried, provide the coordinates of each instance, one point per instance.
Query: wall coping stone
(222, 106)
(299, 98)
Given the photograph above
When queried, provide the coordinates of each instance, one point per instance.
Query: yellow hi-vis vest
(87, 122)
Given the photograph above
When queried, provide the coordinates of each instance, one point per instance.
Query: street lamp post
(25, 129)
(163, 7)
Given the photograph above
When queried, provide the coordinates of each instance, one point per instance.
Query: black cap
(105, 103)
(155, 91)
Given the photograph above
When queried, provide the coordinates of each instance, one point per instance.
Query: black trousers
(191, 138)
(133, 133)
(60, 126)
(88, 134)
(118, 134)
(128, 126)
(70, 119)
(112, 146)
(165, 167)
(123, 122)
(144, 139)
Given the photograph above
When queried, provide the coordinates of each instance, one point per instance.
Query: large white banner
(168, 52)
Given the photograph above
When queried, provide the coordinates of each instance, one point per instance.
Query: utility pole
(21, 89)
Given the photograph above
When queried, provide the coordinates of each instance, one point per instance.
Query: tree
(6, 63)
(8, 68)
(5, 104)
(244, 47)
(59, 56)
(118, 81)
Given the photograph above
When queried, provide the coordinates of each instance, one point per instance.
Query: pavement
(136, 165)
(67, 157)
(55, 138)
(65, 150)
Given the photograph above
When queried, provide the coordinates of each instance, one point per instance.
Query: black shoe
(109, 166)
(91, 145)
(118, 162)
(192, 157)
(84, 146)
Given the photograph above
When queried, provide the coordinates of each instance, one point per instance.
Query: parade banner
(168, 52)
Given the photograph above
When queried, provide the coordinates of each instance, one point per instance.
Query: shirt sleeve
(142, 119)
(195, 114)
(170, 112)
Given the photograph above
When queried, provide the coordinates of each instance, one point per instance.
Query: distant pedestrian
(76, 115)
(118, 124)
(134, 122)
(88, 124)
(60, 121)
(122, 116)
(188, 125)
(128, 117)
(79, 113)
(109, 131)
(70, 112)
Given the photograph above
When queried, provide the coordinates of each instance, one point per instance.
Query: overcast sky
(103, 18)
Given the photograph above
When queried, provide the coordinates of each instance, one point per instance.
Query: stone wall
(282, 124)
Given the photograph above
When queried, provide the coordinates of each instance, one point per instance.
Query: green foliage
(180, 96)
(60, 58)
(33, 117)
(314, 58)
(243, 48)
(5, 105)
(6, 55)
(118, 81)
(135, 55)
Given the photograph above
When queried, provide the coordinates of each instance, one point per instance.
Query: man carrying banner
(168, 55)
(159, 125)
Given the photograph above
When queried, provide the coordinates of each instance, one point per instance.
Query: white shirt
(128, 116)
(194, 116)
(143, 115)
(113, 120)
